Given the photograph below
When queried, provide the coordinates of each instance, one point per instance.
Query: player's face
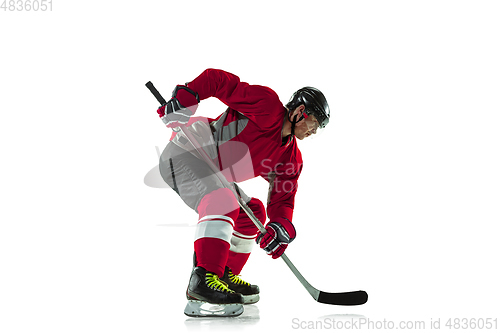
(306, 127)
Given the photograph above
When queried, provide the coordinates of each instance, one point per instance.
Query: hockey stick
(345, 298)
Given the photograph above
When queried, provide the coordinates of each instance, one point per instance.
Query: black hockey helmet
(315, 103)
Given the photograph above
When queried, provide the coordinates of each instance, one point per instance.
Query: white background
(399, 196)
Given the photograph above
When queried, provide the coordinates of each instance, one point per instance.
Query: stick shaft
(156, 93)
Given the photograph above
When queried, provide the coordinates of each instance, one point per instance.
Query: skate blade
(251, 299)
(204, 309)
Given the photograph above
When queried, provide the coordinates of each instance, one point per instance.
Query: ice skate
(250, 292)
(208, 296)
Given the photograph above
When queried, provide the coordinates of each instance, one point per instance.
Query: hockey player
(255, 136)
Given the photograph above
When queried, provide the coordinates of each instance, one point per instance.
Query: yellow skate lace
(216, 284)
(236, 279)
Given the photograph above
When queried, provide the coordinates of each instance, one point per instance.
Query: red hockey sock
(212, 254)
(217, 211)
(236, 261)
(244, 234)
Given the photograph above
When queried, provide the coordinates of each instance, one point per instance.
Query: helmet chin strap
(294, 121)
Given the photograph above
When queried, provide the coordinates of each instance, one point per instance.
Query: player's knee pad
(219, 202)
(258, 209)
(244, 224)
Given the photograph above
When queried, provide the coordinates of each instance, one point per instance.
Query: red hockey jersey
(248, 138)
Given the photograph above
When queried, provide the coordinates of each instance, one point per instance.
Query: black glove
(180, 107)
(276, 239)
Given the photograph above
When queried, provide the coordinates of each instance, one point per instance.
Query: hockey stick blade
(348, 298)
(343, 298)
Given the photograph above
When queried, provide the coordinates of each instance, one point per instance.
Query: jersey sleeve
(250, 100)
(282, 188)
